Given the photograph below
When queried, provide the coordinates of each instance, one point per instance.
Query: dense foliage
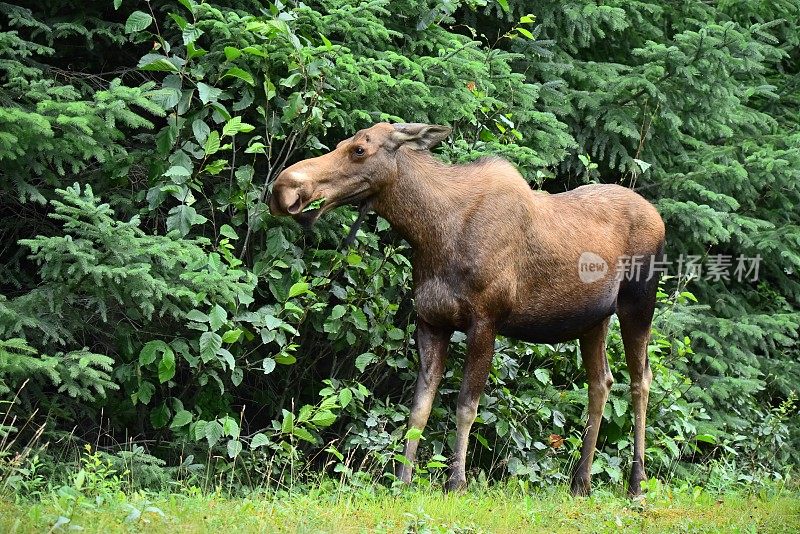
(150, 302)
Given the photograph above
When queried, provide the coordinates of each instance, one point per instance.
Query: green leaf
(182, 418)
(293, 106)
(191, 34)
(503, 4)
(232, 53)
(217, 317)
(227, 357)
(159, 417)
(527, 19)
(288, 422)
(363, 360)
(542, 375)
(315, 205)
(197, 430)
(269, 365)
(145, 392)
(212, 143)
(402, 459)
(259, 440)
(197, 316)
(200, 130)
(706, 438)
(337, 312)
(291, 80)
(215, 167)
(345, 397)
(156, 62)
(673, 447)
(213, 432)
(323, 418)
(148, 353)
(269, 89)
(228, 232)
(482, 440)
(177, 171)
(326, 42)
(304, 434)
(413, 434)
(254, 51)
(232, 336)
(117, 3)
(359, 318)
(396, 334)
(182, 218)
(243, 75)
(237, 375)
(166, 368)
(334, 451)
(168, 97)
(234, 448)
(304, 414)
(285, 359)
(137, 21)
(526, 33)
(272, 322)
(207, 93)
(298, 288)
(256, 148)
(620, 406)
(235, 125)
(230, 427)
(210, 343)
(180, 21)
(643, 165)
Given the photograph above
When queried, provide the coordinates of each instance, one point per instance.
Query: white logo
(591, 267)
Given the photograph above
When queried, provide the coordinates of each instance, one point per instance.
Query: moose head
(358, 169)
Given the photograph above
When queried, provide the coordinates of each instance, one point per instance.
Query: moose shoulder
(492, 256)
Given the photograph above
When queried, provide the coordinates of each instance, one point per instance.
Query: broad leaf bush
(149, 297)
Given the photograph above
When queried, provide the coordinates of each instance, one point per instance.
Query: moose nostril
(295, 207)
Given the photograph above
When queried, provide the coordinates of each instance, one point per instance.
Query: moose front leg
(593, 353)
(432, 345)
(480, 349)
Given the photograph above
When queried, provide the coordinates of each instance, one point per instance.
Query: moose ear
(419, 136)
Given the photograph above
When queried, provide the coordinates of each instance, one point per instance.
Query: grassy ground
(420, 511)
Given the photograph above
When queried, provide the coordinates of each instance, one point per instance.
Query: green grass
(355, 511)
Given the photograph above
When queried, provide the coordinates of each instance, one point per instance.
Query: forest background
(152, 309)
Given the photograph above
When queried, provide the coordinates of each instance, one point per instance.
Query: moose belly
(544, 317)
(554, 329)
(552, 320)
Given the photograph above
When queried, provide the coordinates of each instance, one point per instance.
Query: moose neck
(420, 202)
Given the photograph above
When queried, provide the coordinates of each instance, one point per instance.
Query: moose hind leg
(635, 330)
(480, 349)
(593, 353)
(432, 345)
(635, 307)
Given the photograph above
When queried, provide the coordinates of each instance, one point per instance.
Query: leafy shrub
(190, 318)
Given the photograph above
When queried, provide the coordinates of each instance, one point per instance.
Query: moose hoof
(404, 475)
(635, 487)
(455, 485)
(581, 486)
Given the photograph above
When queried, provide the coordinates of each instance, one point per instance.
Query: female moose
(492, 256)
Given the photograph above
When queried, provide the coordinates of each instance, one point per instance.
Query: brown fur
(492, 256)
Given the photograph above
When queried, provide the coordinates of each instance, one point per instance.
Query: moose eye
(359, 151)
